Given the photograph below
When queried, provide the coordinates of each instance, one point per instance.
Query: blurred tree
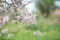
(45, 6)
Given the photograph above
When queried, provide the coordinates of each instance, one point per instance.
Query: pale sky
(57, 3)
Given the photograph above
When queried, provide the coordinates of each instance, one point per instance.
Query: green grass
(25, 32)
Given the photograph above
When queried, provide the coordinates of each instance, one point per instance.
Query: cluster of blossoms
(4, 20)
(38, 33)
(26, 18)
(4, 32)
(30, 19)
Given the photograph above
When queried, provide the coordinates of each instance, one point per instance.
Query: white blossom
(10, 35)
(5, 31)
(36, 33)
(5, 19)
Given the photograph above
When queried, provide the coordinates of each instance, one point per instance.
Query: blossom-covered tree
(16, 11)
